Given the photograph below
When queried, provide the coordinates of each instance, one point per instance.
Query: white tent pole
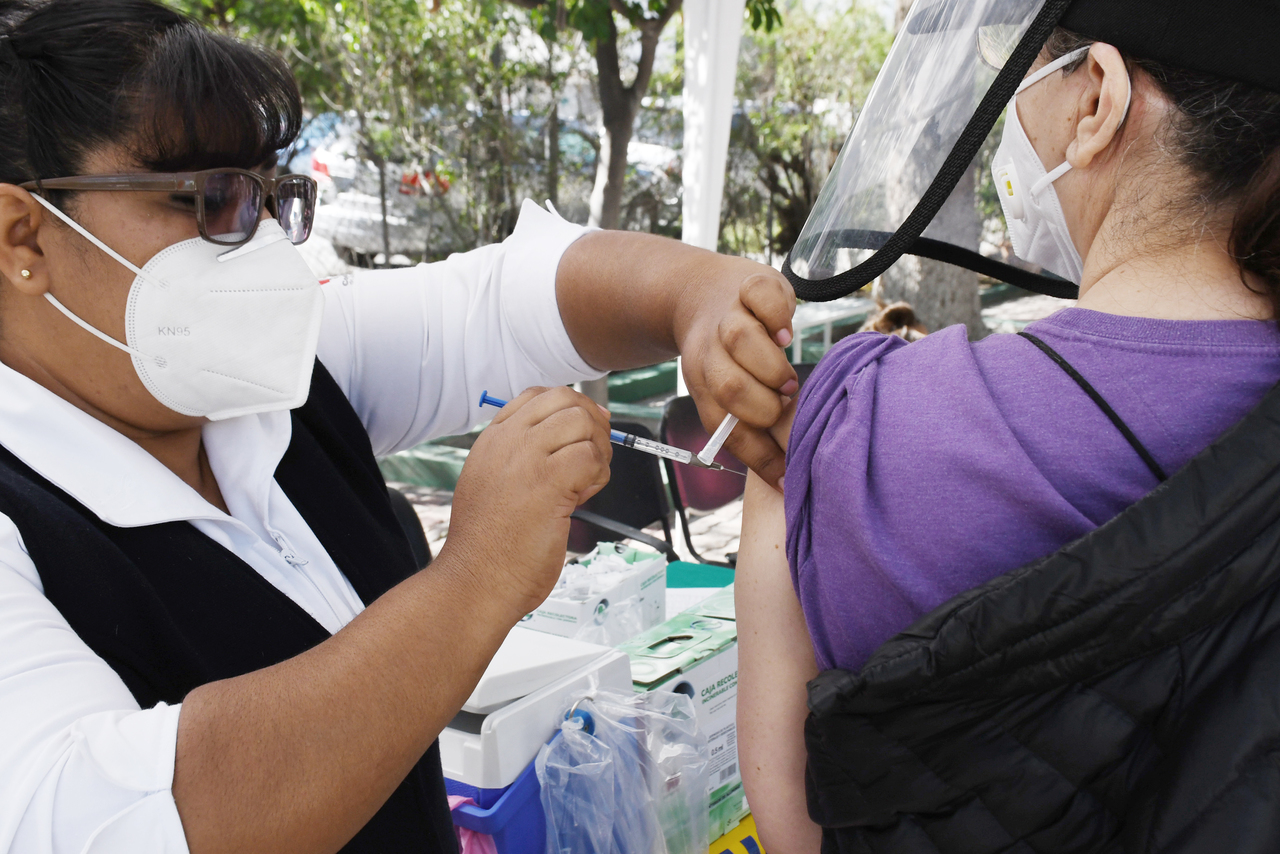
(712, 32)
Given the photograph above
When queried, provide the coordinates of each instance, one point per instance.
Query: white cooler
(520, 702)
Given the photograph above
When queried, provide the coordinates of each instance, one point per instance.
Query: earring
(26, 274)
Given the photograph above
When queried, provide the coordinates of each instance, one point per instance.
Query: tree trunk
(382, 196)
(553, 150)
(553, 115)
(620, 105)
(941, 294)
(611, 174)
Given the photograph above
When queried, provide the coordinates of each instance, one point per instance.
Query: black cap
(1236, 40)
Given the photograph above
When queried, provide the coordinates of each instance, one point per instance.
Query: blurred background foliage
(430, 121)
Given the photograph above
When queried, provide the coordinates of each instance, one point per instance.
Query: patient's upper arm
(776, 661)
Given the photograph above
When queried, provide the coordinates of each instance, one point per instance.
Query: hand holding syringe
(648, 446)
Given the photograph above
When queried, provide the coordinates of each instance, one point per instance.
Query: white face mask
(1037, 225)
(217, 332)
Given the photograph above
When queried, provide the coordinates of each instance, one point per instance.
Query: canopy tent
(712, 31)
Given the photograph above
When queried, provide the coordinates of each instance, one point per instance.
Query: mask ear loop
(1062, 62)
(117, 256)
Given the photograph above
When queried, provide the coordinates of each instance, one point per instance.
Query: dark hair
(1228, 136)
(76, 75)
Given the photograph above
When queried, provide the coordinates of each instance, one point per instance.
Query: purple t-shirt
(916, 472)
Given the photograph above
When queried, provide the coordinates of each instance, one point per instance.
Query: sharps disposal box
(696, 654)
(488, 749)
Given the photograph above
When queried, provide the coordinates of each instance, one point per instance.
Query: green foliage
(430, 88)
(591, 17)
(800, 88)
(763, 15)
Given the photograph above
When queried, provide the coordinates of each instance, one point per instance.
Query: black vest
(169, 609)
(1120, 695)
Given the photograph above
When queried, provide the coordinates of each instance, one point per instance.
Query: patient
(919, 471)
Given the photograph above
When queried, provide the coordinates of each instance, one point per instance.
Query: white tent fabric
(712, 31)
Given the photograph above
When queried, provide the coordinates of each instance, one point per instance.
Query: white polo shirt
(82, 768)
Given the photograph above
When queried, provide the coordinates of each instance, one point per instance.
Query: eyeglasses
(228, 202)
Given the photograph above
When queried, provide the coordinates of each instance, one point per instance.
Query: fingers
(770, 297)
(571, 430)
(571, 426)
(537, 404)
(760, 452)
(726, 387)
(747, 341)
(516, 405)
(585, 466)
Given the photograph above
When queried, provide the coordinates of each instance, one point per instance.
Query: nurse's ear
(21, 217)
(1102, 105)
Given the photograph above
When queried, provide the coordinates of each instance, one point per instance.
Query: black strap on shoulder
(1102, 404)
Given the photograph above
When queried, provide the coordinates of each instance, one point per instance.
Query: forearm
(627, 298)
(775, 661)
(297, 757)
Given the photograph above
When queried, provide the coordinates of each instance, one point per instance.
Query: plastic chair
(696, 488)
(412, 526)
(633, 499)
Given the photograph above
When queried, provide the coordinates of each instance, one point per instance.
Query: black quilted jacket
(1121, 695)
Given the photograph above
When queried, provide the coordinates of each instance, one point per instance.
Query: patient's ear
(1101, 111)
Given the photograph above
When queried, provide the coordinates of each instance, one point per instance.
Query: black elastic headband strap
(953, 168)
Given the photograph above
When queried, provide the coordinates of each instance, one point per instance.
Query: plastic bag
(628, 774)
(598, 573)
(621, 621)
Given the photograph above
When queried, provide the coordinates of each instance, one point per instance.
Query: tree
(620, 101)
(942, 294)
(429, 86)
(800, 89)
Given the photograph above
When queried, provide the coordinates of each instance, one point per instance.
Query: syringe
(717, 440)
(630, 440)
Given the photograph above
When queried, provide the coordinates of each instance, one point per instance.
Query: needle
(630, 440)
(717, 440)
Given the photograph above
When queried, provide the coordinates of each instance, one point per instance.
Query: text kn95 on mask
(218, 332)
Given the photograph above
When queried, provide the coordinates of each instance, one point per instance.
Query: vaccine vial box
(697, 655)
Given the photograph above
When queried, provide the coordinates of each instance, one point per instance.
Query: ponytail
(1255, 237)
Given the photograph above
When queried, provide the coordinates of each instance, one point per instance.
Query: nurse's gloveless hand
(732, 331)
(545, 453)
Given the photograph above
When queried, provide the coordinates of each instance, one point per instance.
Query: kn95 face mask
(216, 332)
(1033, 213)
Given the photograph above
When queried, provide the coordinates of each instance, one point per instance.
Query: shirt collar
(113, 476)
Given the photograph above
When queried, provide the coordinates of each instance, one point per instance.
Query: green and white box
(697, 655)
(718, 605)
(627, 596)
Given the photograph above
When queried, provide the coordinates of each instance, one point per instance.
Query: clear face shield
(948, 78)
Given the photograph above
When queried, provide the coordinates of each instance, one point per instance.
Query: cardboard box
(636, 601)
(697, 655)
(718, 605)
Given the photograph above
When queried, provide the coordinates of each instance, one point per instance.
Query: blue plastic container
(512, 816)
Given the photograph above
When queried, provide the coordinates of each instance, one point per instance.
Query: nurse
(964, 694)
(213, 634)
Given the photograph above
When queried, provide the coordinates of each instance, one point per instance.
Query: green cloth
(681, 574)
